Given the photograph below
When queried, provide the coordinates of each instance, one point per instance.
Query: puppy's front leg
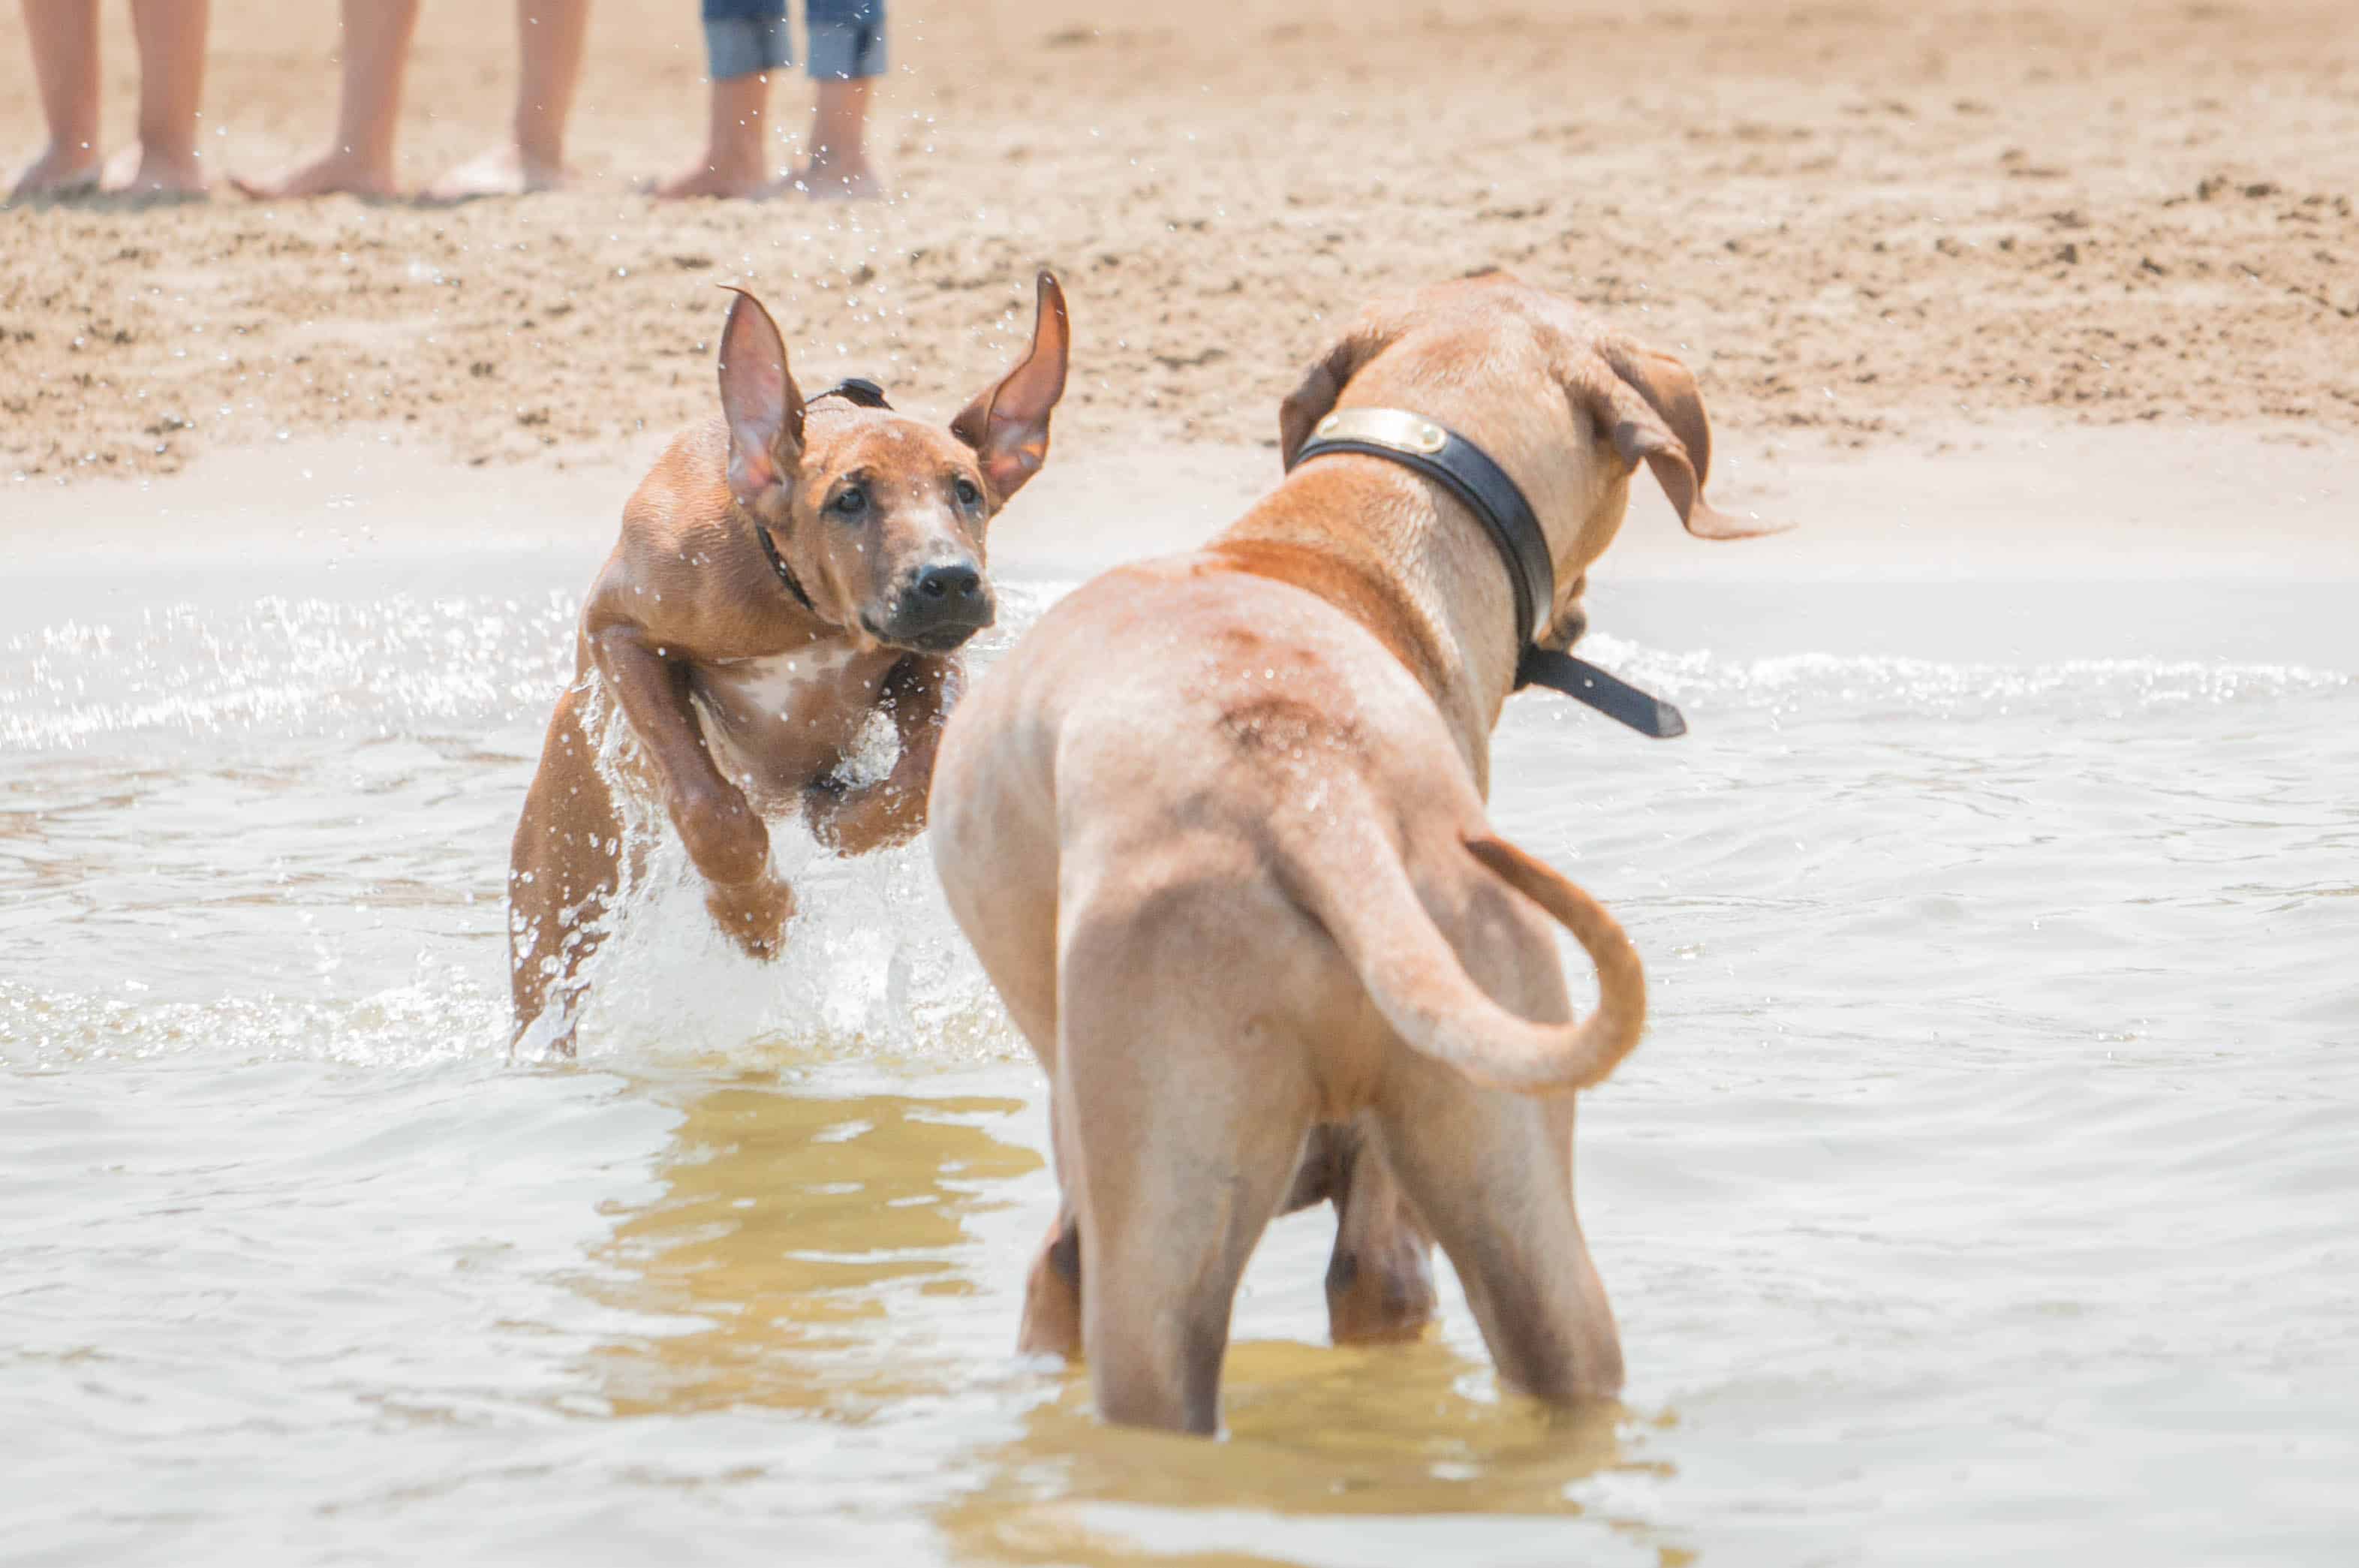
(918, 693)
(723, 834)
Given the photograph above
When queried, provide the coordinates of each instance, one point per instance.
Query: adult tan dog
(1216, 828)
(785, 572)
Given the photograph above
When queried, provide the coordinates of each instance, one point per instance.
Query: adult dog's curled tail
(1424, 992)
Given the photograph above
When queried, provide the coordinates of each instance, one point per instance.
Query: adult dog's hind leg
(1014, 934)
(1052, 1290)
(1186, 1131)
(1491, 1172)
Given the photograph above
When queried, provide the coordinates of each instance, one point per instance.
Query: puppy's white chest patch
(767, 685)
(776, 722)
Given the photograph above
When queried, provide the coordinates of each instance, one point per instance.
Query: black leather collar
(1467, 471)
(852, 389)
(857, 389)
(779, 565)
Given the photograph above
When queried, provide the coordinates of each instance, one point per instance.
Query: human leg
(166, 162)
(376, 35)
(64, 38)
(551, 35)
(744, 41)
(847, 54)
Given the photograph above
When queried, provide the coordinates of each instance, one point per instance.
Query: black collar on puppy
(779, 565)
(1466, 471)
(857, 389)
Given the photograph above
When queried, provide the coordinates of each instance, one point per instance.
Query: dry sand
(1864, 224)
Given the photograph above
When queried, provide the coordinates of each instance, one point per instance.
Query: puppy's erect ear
(1649, 408)
(758, 398)
(1008, 425)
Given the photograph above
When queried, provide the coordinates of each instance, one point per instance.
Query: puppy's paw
(753, 914)
(869, 817)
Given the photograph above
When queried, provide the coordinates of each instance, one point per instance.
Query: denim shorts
(743, 36)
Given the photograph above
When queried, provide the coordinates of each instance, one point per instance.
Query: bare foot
(502, 171)
(729, 182)
(825, 180)
(149, 171)
(336, 173)
(57, 172)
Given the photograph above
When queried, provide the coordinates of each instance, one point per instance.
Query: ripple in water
(1983, 1182)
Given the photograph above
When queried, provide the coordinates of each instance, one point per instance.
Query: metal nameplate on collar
(1395, 428)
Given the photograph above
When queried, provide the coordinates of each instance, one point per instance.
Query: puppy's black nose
(950, 583)
(940, 606)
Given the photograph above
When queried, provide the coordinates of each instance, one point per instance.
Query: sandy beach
(1867, 226)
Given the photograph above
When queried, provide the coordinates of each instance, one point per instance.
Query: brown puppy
(1216, 828)
(786, 570)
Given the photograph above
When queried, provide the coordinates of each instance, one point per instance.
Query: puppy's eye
(968, 496)
(853, 503)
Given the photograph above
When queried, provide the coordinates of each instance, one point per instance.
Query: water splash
(309, 667)
(873, 961)
(447, 1014)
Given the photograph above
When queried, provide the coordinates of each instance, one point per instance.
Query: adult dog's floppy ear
(1649, 408)
(1324, 382)
(1008, 425)
(759, 400)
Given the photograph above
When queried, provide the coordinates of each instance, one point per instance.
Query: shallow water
(1984, 1187)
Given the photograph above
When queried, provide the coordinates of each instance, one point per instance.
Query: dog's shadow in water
(842, 1257)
